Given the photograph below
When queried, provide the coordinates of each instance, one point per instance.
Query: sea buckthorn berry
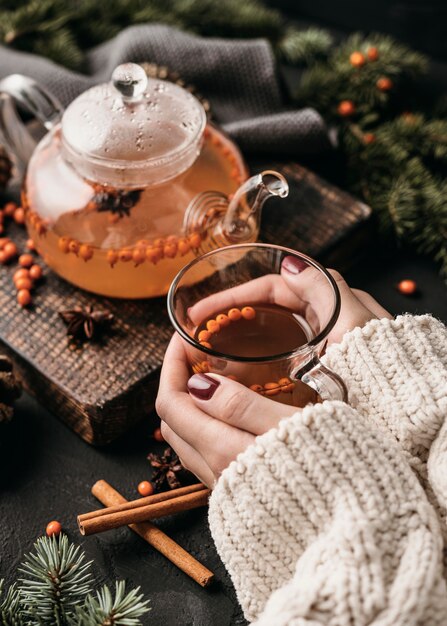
(125, 255)
(2, 229)
(407, 287)
(24, 297)
(4, 241)
(19, 215)
(73, 246)
(138, 256)
(183, 247)
(159, 243)
(172, 239)
(3, 257)
(213, 326)
(10, 249)
(41, 228)
(223, 320)
(154, 255)
(248, 313)
(346, 108)
(30, 245)
(53, 528)
(145, 488)
(157, 435)
(112, 257)
(234, 315)
(170, 250)
(24, 283)
(26, 260)
(195, 240)
(63, 244)
(204, 335)
(85, 252)
(357, 59)
(287, 386)
(384, 84)
(257, 388)
(369, 138)
(204, 367)
(271, 389)
(9, 209)
(22, 273)
(372, 54)
(35, 272)
(206, 344)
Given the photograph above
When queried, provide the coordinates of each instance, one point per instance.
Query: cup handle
(324, 381)
(34, 99)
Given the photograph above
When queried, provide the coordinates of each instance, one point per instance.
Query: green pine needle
(10, 612)
(304, 46)
(104, 610)
(56, 590)
(56, 579)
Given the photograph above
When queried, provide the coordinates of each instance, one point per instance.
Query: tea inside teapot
(110, 193)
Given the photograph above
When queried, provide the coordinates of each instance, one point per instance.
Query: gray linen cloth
(238, 77)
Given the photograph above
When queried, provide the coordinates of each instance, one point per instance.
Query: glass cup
(255, 275)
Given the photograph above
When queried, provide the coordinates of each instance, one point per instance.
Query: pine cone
(9, 389)
(5, 168)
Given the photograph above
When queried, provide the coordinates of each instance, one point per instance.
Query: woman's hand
(209, 419)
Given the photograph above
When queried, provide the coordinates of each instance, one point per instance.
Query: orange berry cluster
(29, 272)
(358, 59)
(347, 108)
(215, 138)
(25, 278)
(213, 326)
(161, 248)
(284, 385)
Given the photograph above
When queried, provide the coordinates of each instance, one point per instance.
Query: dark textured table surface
(46, 473)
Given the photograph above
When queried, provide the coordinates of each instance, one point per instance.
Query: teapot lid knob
(130, 80)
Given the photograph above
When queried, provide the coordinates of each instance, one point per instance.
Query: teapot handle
(33, 98)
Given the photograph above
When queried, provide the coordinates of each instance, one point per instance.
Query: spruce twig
(104, 610)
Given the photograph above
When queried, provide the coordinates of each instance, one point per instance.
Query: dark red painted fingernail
(293, 264)
(202, 386)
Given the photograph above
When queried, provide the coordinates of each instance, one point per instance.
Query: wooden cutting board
(101, 389)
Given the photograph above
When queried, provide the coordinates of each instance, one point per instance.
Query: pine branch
(10, 611)
(57, 580)
(305, 47)
(104, 610)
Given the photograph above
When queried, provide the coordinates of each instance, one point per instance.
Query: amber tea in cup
(253, 321)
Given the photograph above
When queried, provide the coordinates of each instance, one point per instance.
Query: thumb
(230, 402)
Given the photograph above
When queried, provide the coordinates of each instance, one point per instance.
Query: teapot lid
(134, 131)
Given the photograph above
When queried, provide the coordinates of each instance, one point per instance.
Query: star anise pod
(85, 322)
(167, 469)
(117, 202)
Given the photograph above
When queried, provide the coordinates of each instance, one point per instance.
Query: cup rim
(313, 343)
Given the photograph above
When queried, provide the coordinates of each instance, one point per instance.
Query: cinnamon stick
(101, 523)
(135, 504)
(156, 537)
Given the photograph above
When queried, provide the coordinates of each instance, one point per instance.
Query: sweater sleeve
(323, 523)
(322, 520)
(396, 374)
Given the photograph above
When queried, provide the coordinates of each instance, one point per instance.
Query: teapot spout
(243, 217)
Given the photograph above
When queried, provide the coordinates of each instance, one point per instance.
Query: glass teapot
(130, 182)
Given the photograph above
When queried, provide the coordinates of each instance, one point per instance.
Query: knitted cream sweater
(327, 520)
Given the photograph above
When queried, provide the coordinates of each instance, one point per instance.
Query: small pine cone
(10, 389)
(5, 168)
